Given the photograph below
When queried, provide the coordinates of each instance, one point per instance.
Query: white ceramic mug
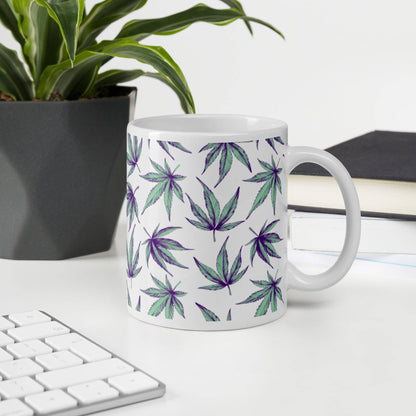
(207, 221)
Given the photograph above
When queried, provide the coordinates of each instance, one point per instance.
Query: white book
(326, 232)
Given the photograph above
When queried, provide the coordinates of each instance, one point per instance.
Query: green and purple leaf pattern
(223, 276)
(131, 206)
(228, 267)
(165, 146)
(167, 185)
(214, 219)
(272, 183)
(160, 248)
(227, 151)
(167, 299)
(132, 259)
(134, 152)
(262, 243)
(268, 294)
(207, 314)
(271, 142)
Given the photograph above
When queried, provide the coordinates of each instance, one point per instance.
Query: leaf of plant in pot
(63, 118)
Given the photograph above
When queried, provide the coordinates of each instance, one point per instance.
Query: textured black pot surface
(62, 176)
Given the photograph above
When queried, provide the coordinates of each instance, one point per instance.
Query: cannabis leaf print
(262, 243)
(207, 314)
(167, 185)
(132, 207)
(133, 154)
(272, 182)
(270, 141)
(159, 248)
(167, 299)
(132, 260)
(214, 219)
(224, 277)
(227, 151)
(269, 292)
(177, 145)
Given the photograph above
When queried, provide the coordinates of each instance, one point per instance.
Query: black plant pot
(62, 175)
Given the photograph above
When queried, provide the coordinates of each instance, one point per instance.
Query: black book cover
(380, 155)
(385, 155)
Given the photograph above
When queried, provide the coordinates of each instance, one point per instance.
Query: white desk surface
(349, 350)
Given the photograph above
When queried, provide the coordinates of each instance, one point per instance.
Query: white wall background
(345, 68)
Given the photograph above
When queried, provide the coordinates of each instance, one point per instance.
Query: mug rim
(228, 127)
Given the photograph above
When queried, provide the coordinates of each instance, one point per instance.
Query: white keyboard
(47, 368)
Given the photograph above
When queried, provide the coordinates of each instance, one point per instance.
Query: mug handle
(298, 279)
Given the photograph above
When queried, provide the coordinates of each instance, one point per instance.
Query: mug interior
(216, 127)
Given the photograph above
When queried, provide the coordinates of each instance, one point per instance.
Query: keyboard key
(5, 324)
(83, 373)
(64, 342)
(14, 407)
(29, 318)
(19, 368)
(5, 356)
(28, 349)
(58, 360)
(51, 401)
(37, 331)
(96, 391)
(19, 387)
(133, 383)
(89, 352)
(5, 339)
(47, 369)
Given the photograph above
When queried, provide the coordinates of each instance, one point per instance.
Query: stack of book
(383, 167)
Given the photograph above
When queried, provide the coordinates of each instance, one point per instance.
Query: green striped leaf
(117, 76)
(9, 20)
(207, 271)
(159, 248)
(211, 202)
(168, 299)
(42, 39)
(261, 196)
(222, 260)
(68, 15)
(227, 150)
(262, 243)
(157, 308)
(272, 182)
(222, 277)
(229, 208)
(102, 15)
(215, 219)
(167, 186)
(237, 5)
(207, 314)
(226, 161)
(168, 25)
(75, 80)
(268, 294)
(14, 79)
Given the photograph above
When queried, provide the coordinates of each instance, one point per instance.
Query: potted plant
(63, 119)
